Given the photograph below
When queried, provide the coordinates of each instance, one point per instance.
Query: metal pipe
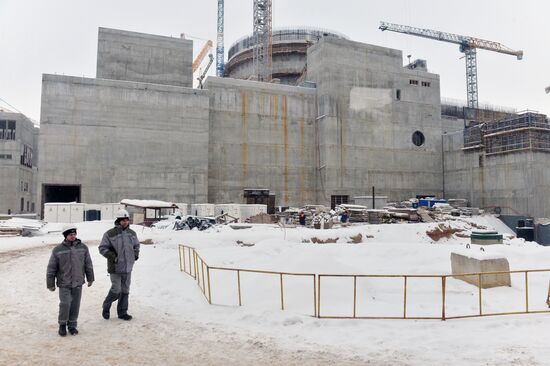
(209, 291)
(282, 298)
(179, 255)
(239, 285)
(319, 296)
(479, 283)
(314, 295)
(526, 293)
(203, 283)
(404, 297)
(443, 289)
(354, 294)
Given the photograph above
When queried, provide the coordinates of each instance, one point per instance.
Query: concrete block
(462, 263)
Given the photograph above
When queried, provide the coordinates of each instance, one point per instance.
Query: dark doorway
(59, 193)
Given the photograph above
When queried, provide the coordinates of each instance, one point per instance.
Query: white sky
(60, 36)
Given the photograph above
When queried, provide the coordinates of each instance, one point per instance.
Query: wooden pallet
(10, 231)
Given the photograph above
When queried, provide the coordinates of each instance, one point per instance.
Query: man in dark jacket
(120, 246)
(69, 263)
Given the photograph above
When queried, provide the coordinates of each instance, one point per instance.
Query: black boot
(125, 317)
(62, 330)
(106, 313)
(73, 331)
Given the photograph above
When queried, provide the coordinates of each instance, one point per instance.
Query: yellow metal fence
(192, 263)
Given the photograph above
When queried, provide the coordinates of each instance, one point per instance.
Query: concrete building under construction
(340, 118)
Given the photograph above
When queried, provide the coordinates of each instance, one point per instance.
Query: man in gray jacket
(69, 262)
(120, 246)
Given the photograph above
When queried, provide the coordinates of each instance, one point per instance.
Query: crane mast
(262, 32)
(467, 45)
(219, 42)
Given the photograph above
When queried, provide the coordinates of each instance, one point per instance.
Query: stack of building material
(357, 213)
(425, 216)
(376, 216)
(409, 214)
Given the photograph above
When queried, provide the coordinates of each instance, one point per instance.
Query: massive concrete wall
(18, 181)
(367, 113)
(131, 56)
(124, 139)
(261, 136)
(517, 182)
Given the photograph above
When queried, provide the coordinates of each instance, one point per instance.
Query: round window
(418, 138)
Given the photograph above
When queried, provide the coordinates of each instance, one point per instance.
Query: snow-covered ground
(174, 324)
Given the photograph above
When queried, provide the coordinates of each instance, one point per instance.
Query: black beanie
(67, 232)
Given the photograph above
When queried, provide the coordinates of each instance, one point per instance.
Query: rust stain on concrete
(244, 137)
(302, 152)
(285, 143)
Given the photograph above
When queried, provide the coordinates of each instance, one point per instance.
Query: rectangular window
(413, 82)
(11, 130)
(426, 84)
(338, 200)
(398, 94)
(5, 156)
(3, 129)
(26, 157)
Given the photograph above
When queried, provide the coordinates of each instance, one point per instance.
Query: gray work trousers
(69, 305)
(120, 289)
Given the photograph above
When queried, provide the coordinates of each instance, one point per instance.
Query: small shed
(147, 212)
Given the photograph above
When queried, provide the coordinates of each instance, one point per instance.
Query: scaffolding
(524, 131)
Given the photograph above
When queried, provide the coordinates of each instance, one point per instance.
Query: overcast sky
(60, 36)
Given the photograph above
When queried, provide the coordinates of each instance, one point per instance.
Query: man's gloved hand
(90, 283)
(136, 257)
(51, 288)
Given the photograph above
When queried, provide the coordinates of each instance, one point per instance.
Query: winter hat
(68, 229)
(121, 214)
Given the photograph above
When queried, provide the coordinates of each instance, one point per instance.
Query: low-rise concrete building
(18, 152)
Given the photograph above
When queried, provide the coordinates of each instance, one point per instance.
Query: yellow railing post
(183, 259)
(314, 295)
(480, 300)
(209, 291)
(282, 298)
(319, 296)
(354, 294)
(189, 255)
(179, 255)
(239, 286)
(526, 292)
(443, 287)
(404, 297)
(203, 281)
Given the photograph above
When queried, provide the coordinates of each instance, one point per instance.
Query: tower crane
(468, 45)
(262, 52)
(220, 65)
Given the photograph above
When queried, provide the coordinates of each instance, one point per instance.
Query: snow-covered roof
(148, 203)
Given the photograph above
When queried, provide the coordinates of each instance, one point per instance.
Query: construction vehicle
(204, 51)
(468, 46)
(203, 75)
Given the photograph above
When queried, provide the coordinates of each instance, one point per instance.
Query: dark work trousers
(69, 305)
(120, 289)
